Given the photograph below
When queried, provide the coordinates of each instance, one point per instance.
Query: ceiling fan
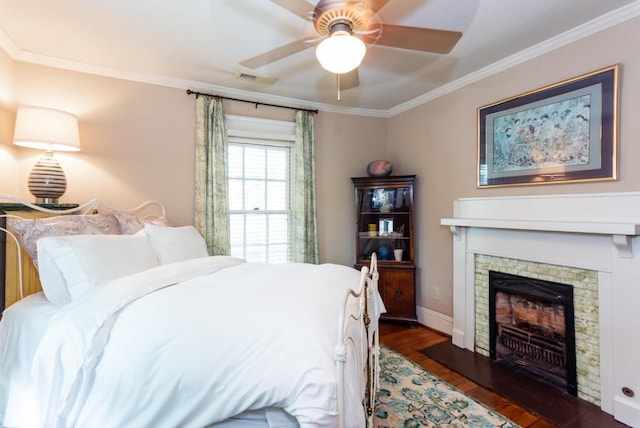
(344, 28)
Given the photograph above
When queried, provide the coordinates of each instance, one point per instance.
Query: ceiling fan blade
(376, 5)
(278, 53)
(349, 80)
(373, 5)
(297, 7)
(418, 39)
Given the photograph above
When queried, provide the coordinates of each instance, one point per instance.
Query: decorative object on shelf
(384, 252)
(386, 226)
(46, 129)
(379, 168)
(372, 229)
(387, 202)
(397, 254)
(382, 199)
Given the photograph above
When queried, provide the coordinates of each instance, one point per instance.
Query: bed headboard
(18, 273)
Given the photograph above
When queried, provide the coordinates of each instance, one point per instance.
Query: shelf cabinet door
(398, 293)
(384, 218)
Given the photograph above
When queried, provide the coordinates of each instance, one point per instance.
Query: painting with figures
(560, 133)
(550, 135)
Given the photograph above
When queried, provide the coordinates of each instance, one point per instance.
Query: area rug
(409, 396)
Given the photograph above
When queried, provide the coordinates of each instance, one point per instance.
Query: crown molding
(608, 20)
(29, 57)
(8, 45)
(601, 23)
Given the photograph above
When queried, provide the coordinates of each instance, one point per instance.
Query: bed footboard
(358, 340)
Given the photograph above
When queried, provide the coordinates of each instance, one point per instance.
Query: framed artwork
(566, 132)
(386, 226)
(383, 199)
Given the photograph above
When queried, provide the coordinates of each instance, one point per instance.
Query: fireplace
(531, 327)
(590, 241)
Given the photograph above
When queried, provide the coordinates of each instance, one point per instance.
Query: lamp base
(47, 181)
(46, 200)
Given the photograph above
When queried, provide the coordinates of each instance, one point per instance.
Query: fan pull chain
(338, 82)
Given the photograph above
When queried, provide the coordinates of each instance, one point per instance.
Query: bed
(137, 326)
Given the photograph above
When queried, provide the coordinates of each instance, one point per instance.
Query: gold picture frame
(565, 132)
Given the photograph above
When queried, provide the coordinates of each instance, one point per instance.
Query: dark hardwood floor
(410, 340)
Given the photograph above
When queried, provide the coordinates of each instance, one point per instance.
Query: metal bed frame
(365, 296)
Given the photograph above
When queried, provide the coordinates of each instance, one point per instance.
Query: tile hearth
(566, 411)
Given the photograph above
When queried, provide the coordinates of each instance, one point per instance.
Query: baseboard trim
(626, 411)
(435, 320)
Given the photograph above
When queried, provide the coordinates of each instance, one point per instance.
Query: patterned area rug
(411, 397)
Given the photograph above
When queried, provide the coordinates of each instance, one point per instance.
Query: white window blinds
(259, 172)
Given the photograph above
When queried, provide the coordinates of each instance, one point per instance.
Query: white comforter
(194, 343)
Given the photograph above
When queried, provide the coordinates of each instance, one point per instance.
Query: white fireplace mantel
(550, 226)
(599, 232)
(621, 233)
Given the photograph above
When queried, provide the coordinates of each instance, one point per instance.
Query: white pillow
(70, 266)
(176, 244)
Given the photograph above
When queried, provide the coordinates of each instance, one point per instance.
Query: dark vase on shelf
(379, 168)
(385, 252)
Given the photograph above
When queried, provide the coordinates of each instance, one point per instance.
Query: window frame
(264, 133)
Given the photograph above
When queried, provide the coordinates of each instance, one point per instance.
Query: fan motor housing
(357, 15)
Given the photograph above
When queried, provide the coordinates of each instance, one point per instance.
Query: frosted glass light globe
(341, 52)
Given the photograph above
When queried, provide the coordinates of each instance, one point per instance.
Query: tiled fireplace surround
(586, 322)
(589, 241)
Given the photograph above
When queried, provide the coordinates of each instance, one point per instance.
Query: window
(259, 171)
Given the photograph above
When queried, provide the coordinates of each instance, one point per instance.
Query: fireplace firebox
(532, 328)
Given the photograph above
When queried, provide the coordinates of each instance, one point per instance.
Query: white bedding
(187, 344)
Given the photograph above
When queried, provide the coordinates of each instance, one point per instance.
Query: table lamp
(49, 130)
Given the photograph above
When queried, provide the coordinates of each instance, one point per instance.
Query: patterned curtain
(305, 230)
(211, 204)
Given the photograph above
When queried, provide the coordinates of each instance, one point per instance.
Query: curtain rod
(257, 103)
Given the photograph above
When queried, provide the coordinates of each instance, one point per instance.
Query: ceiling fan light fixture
(341, 52)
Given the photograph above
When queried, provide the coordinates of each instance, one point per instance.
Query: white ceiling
(198, 44)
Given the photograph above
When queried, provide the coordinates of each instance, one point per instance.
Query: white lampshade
(341, 52)
(46, 129)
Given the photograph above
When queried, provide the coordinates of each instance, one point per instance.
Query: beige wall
(438, 141)
(136, 139)
(344, 146)
(138, 143)
(8, 175)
